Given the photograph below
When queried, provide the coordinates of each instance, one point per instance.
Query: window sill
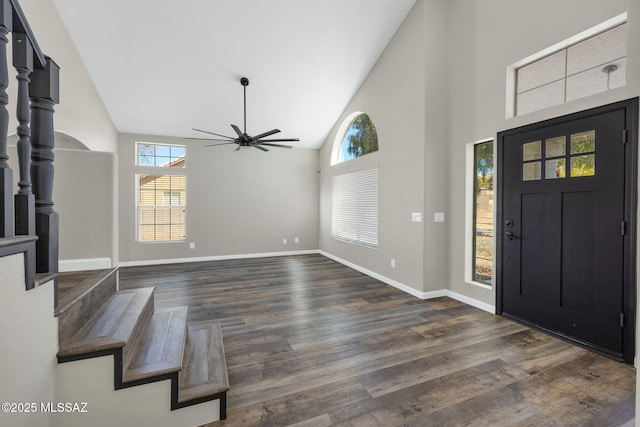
(478, 284)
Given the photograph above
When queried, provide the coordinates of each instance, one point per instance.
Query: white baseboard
(408, 289)
(212, 258)
(471, 301)
(416, 293)
(65, 265)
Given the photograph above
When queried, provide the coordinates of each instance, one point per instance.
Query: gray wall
(83, 193)
(405, 97)
(439, 85)
(480, 52)
(242, 202)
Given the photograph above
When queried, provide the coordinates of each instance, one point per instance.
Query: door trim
(630, 107)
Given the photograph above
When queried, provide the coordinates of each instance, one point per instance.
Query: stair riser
(77, 315)
(132, 345)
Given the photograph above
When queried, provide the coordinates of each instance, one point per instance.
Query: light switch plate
(416, 216)
(438, 217)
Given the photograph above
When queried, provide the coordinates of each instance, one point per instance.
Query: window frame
(470, 216)
(156, 144)
(139, 207)
(340, 135)
(160, 171)
(358, 164)
(512, 70)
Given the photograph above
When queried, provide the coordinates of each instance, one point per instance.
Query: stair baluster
(24, 200)
(6, 174)
(43, 91)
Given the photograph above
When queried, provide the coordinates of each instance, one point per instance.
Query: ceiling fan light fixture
(244, 140)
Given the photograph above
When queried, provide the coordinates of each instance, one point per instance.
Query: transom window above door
(560, 157)
(588, 63)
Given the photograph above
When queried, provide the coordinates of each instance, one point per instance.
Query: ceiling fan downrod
(245, 82)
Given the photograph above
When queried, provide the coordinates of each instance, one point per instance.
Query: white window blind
(354, 207)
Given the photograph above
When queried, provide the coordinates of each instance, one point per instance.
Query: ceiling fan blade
(238, 131)
(262, 135)
(259, 147)
(210, 139)
(239, 147)
(280, 140)
(224, 143)
(206, 131)
(273, 145)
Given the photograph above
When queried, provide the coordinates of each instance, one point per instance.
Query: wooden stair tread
(204, 371)
(113, 325)
(161, 347)
(74, 286)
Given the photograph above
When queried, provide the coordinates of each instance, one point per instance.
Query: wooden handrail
(21, 25)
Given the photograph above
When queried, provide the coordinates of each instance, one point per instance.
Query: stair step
(81, 295)
(204, 371)
(161, 347)
(122, 317)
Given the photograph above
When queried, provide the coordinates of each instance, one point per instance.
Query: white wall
(238, 203)
(91, 381)
(29, 343)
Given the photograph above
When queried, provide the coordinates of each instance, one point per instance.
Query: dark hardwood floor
(310, 342)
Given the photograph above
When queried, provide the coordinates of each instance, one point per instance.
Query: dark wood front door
(566, 218)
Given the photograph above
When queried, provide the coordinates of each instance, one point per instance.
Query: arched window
(354, 192)
(357, 137)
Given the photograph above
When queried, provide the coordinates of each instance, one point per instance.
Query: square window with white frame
(161, 210)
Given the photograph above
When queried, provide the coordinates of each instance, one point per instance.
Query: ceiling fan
(243, 139)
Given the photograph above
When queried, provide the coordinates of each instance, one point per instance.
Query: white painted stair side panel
(91, 381)
(29, 343)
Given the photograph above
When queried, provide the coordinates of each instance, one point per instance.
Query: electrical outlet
(296, 240)
(393, 263)
(192, 245)
(284, 241)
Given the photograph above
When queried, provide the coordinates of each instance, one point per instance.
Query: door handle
(509, 236)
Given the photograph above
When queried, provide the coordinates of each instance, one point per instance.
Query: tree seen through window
(360, 138)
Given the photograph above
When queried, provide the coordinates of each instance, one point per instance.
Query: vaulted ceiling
(163, 67)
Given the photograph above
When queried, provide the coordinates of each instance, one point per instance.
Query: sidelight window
(479, 247)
